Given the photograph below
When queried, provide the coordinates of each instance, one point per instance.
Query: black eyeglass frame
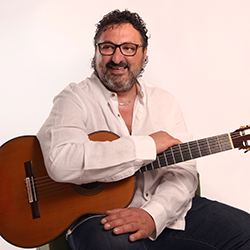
(118, 46)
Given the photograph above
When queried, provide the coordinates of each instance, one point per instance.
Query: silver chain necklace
(126, 103)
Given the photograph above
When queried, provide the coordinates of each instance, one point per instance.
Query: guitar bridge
(31, 190)
(28, 188)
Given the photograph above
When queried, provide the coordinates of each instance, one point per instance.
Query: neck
(124, 97)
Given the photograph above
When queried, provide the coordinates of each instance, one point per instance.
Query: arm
(70, 156)
(168, 204)
(136, 220)
(170, 201)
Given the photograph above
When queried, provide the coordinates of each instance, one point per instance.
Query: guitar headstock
(241, 138)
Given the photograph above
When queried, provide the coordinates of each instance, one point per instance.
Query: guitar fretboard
(190, 150)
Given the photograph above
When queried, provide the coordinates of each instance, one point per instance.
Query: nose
(117, 57)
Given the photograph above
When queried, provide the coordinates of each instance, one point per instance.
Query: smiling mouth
(117, 67)
(118, 70)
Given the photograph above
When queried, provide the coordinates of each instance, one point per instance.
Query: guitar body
(34, 209)
(58, 205)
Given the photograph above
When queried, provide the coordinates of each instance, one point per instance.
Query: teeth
(119, 68)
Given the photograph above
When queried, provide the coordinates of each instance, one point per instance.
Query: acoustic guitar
(34, 209)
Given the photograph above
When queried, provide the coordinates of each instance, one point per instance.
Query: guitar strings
(195, 147)
(45, 186)
(223, 140)
(220, 143)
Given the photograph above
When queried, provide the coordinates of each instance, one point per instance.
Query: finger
(113, 211)
(114, 223)
(137, 236)
(127, 228)
(114, 215)
(108, 219)
(120, 219)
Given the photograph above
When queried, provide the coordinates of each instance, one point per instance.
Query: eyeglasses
(127, 49)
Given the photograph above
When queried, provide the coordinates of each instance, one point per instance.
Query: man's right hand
(163, 141)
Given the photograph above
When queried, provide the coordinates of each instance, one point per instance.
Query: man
(147, 120)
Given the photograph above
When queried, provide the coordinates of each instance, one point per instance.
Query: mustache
(113, 64)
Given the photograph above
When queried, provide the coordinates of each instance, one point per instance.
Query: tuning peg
(247, 150)
(244, 127)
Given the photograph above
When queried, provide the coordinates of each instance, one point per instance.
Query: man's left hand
(129, 220)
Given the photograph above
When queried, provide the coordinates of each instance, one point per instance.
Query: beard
(117, 82)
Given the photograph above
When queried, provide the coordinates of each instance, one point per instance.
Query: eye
(129, 48)
(107, 46)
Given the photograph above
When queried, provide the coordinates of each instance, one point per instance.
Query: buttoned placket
(113, 104)
(139, 105)
(137, 112)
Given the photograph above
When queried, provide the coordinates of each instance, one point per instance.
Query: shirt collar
(140, 92)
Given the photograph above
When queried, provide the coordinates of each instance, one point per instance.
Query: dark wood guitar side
(26, 223)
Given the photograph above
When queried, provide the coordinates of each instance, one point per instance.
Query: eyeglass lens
(127, 49)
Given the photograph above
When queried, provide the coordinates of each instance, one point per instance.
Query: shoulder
(88, 87)
(156, 93)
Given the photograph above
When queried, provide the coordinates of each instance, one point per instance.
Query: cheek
(135, 63)
(101, 60)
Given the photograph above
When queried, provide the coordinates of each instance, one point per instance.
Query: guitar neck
(191, 150)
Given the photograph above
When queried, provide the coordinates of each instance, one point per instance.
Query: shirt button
(147, 194)
(119, 115)
(113, 95)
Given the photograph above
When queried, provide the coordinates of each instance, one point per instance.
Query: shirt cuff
(158, 213)
(145, 148)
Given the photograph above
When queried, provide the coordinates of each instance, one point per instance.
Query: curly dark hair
(118, 17)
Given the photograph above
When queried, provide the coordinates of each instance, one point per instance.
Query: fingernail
(103, 221)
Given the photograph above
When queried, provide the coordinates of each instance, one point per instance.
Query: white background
(199, 50)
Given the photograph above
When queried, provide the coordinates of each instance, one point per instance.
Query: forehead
(120, 34)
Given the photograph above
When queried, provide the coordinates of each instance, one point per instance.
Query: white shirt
(69, 155)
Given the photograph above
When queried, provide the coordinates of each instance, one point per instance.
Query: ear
(145, 54)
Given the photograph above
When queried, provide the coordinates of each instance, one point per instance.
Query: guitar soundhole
(90, 188)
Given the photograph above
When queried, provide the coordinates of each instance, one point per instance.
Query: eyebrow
(116, 43)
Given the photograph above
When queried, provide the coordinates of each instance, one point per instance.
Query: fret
(190, 150)
(203, 147)
(164, 153)
(194, 148)
(219, 142)
(158, 161)
(214, 144)
(162, 160)
(208, 146)
(169, 156)
(186, 153)
(182, 159)
(198, 147)
(155, 164)
(177, 154)
(225, 142)
(171, 149)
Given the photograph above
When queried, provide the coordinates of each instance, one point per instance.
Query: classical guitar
(34, 209)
